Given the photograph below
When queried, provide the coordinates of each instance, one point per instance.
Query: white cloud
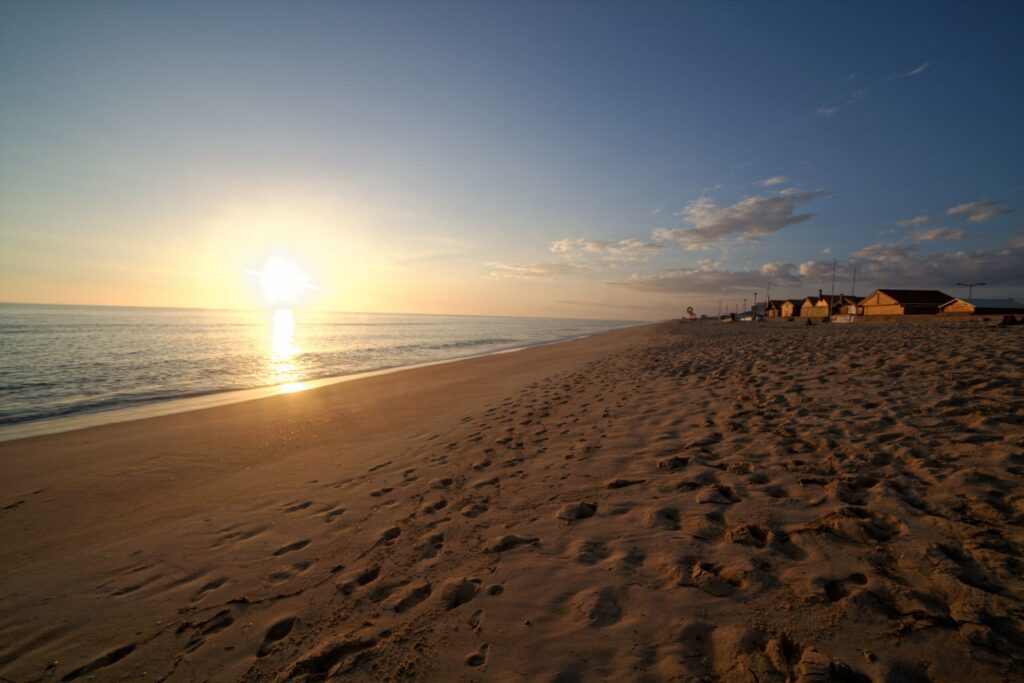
(913, 222)
(898, 265)
(713, 281)
(606, 250)
(748, 220)
(774, 180)
(878, 265)
(905, 265)
(605, 304)
(826, 251)
(834, 107)
(913, 72)
(934, 234)
(979, 211)
(817, 271)
(534, 270)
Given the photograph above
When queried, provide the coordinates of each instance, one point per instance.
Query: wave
(77, 362)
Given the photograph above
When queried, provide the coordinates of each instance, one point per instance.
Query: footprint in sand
(432, 547)
(111, 657)
(475, 507)
(673, 464)
(478, 658)
(717, 495)
(215, 624)
(384, 590)
(358, 579)
(703, 575)
(749, 534)
(230, 536)
(598, 607)
(837, 589)
(213, 585)
(413, 598)
(592, 552)
(622, 483)
(333, 514)
(431, 508)
(457, 592)
(275, 633)
(666, 518)
(510, 542)
(291, 547)
(577, 511)
(294, 570)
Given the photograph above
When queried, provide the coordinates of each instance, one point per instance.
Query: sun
(282, 282)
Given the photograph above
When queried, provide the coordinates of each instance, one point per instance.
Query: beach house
(982, 307)
(825, 305)
(773, 309)
(904, 302)
(790, 308)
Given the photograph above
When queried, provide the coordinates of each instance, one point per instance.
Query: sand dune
(672, 502)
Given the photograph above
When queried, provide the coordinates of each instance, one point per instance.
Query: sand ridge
(678, 502)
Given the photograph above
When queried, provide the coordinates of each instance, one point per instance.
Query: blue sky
(578, 159)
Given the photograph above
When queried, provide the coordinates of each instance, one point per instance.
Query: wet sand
(670, 502)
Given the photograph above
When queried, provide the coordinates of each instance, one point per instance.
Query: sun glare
(282, 282)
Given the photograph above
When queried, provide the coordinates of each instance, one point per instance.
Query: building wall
(958, 307)
(816, 311)
(883, 309)
(788, 312)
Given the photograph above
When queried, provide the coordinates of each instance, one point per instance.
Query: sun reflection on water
(282, 359)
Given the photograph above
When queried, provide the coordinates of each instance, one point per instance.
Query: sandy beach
(663, 503)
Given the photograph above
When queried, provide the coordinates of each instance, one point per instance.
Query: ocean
(64, 361)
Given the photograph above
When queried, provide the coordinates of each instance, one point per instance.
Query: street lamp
(970, 287)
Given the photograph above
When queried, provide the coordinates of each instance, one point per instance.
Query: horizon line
(321, 310)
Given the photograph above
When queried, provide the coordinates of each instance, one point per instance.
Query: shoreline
(184, 404)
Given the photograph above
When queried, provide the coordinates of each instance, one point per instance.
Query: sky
(569, 159)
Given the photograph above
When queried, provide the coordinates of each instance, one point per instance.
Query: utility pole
(970, 287)
(853, 289)
(753, 309)
(832, 296)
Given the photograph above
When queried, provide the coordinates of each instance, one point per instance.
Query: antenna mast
(832, 296)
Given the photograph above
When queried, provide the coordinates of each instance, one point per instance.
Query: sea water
(60, 361)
